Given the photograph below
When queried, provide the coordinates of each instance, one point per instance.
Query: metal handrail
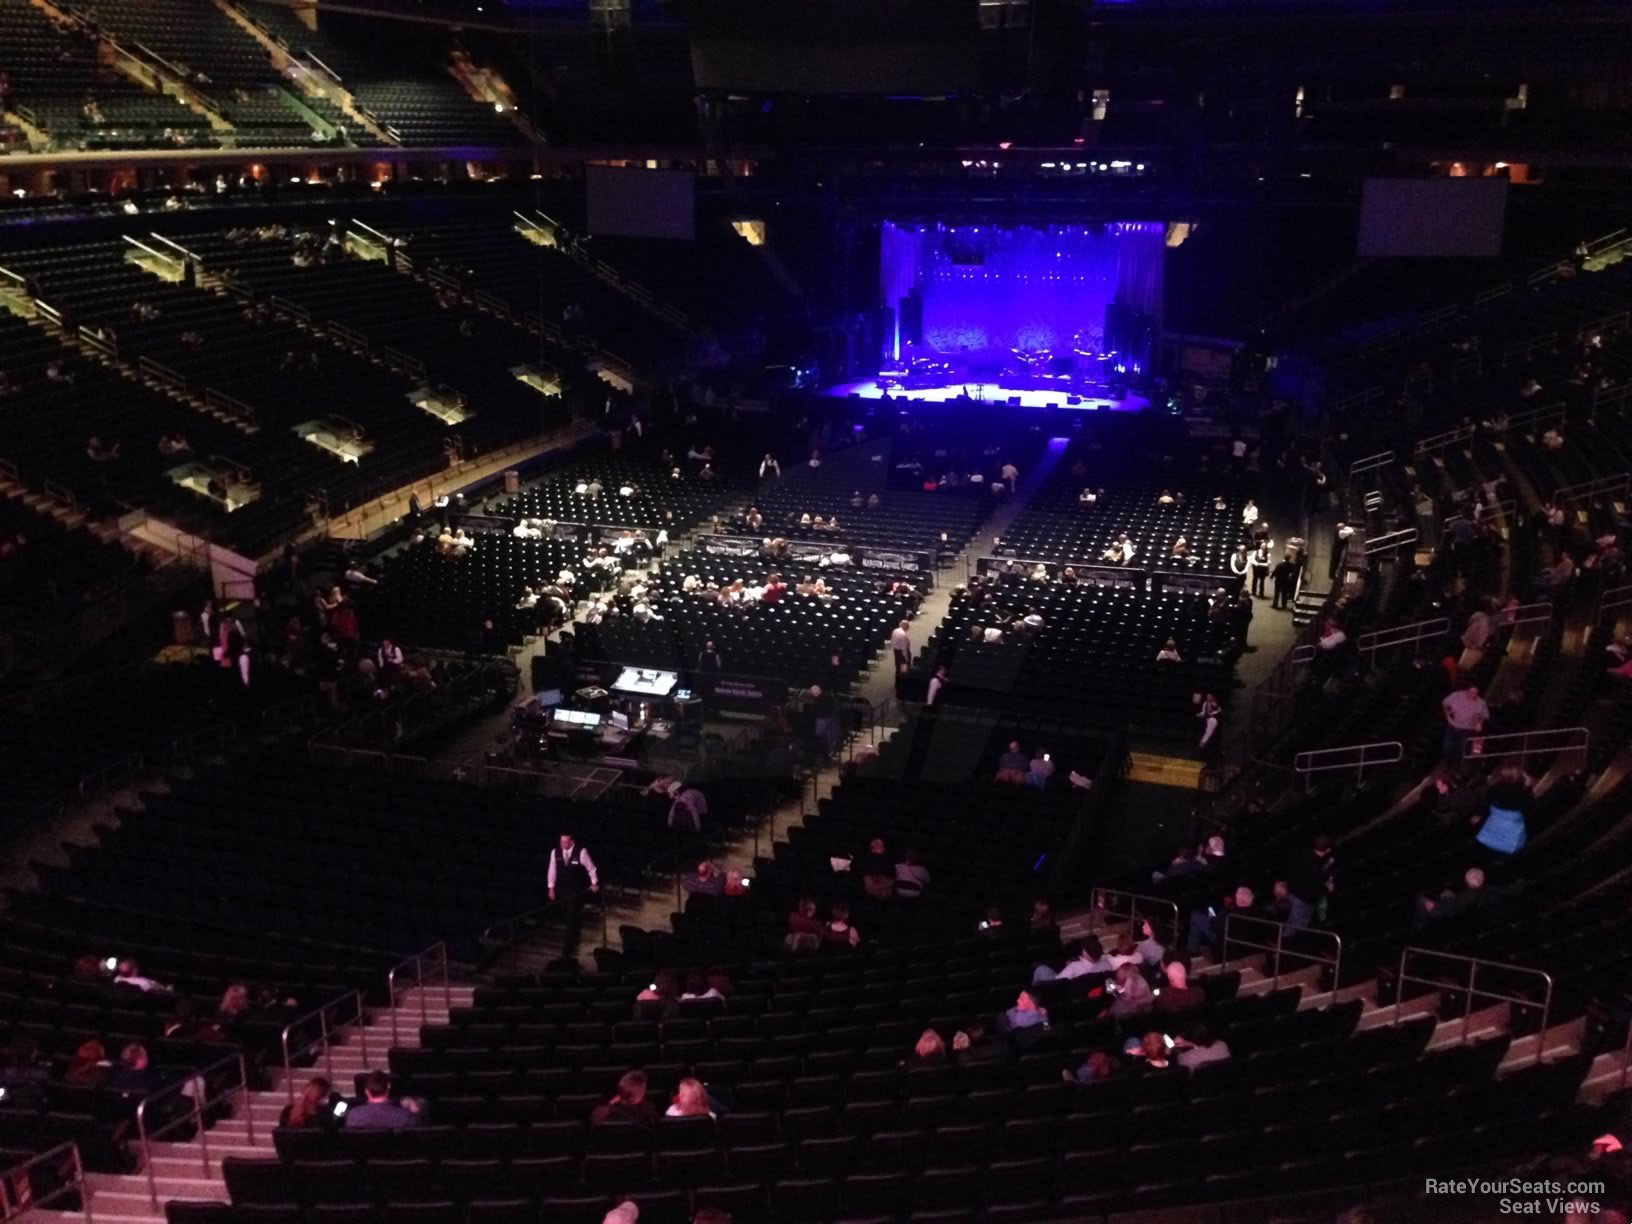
(1441, 440)
(321, 1015)
(1379, 752)
(1402, 635)
(202, 1101)
(1109, 900)
(11, 1209)
(1371, 463)
(1539, 613)
(1471, 990)
(1522, 743)
(1619, 483)
(1612, 599)
(1277, 948)
(1390, 540)
(436, 957)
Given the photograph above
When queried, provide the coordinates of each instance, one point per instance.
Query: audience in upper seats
(690, 1101)
(1200, 1046)
(313, 1109)
(628, 1104)
(1132, 995)
(378, 1111)
(1178, 995)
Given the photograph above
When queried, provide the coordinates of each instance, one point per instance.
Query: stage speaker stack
(1073, 399)
(1014, 401)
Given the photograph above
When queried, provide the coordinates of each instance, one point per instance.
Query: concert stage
(999, 395)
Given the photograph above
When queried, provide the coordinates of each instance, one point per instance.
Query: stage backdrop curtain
(987, 291)
(1141, 256)
(900, 272)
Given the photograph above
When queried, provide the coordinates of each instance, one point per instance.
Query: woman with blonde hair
(234, 1002)
(930, 1048)
(690, 1101)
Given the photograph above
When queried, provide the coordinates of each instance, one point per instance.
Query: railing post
(447, 986)
(1467, 1007)
(391, 994)
(203, 1134)
(147, 1154)
(1280, 932)
(424, 1004)
(249, 1108)
(323, 1036)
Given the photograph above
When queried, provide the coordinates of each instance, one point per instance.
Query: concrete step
(131, 1193)
(1607, 1075)
(1256, 982)
(1479, 1024)
(104, 1216)
(1381, 1015)
(1559, 1041)
(1314, 1000)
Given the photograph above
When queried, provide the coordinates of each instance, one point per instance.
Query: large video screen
(632, 203)
(1438, 217)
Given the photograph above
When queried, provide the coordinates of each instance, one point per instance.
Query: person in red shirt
(775, 588)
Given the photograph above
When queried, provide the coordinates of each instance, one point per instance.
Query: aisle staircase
(192, 1170)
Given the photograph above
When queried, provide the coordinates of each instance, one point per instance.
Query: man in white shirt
(901, 645)
(1340, 549)
(1249, 513)
(1239, 562)
(570, 878)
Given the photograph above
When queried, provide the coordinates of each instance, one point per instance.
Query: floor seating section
(660, 500)
(1057, 527)
(792, 639)
(1095, 653)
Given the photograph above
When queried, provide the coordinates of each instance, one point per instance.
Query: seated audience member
(89, 1065)
(1199, 1046)
(911, 876)
(1090, 959)
(698, 986)
(972, 1046)
(1178, 995)
(628, 1104)
(378, 1111)
(1207, 923)
(129, 973)
(690, 1101)
(708, 880)
(1039, 770)
(1012, 765)
(805, 930)
(1025, 1020)
(877, 870)
(838, 932)
(1131, 994)
(1099, 1065)
(662, 989)
(1155, 1051)
(313, 1109)
(1452, 904)
(1503, 831)
(930, 1051)
(135, 1075)
(1169, 653)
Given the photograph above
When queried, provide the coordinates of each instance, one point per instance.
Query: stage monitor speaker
(1073, 399)
(1014, 401)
